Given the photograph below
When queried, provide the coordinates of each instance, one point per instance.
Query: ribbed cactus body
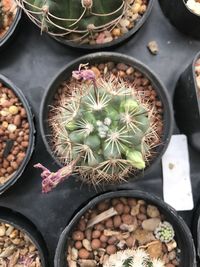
(75, 15)
(106, 126)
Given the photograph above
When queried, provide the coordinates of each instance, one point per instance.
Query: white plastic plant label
(177, 187)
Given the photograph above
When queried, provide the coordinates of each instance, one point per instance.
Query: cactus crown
(165, 232)
(132, 258)
(61, 18)
(107, 125)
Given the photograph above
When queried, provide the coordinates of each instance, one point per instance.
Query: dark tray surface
(31, 61)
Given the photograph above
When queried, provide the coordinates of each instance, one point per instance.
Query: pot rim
(16, 175)
(114, 42)
(124, 193)
(118, 57)
(12, 28)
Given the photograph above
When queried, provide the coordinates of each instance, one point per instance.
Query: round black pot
(181, 17)
(5, 81)
(187, 105)
(12, 30)
(102, 57)
(183, 235)
(21, 223)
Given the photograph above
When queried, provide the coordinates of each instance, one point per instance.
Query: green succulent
(107, 126)
(164, 232)
(80, 17)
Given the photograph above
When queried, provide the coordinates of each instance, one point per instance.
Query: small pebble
(153, 47)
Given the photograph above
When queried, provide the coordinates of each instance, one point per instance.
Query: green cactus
(164, 232)
(107, 125)
(83, 17)
(132, 258)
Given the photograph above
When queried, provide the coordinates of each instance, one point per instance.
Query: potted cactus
(126, 228)
(88, 23)
(102, 126)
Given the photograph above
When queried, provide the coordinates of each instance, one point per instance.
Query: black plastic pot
(5, 81)
(181, 17)
(187, 105)
(182, 232)
(114, 42)
(102, 57)
(11, 31)
(21, 223)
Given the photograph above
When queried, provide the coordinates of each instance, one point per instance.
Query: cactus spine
(132, 258)
(81, 17)
(108, 124)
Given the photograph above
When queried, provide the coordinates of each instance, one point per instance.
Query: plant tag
(177, 187)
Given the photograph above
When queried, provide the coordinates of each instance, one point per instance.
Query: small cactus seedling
(164, 232)
(61, 18)
(132, 258)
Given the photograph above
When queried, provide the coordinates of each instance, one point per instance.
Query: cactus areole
(104, 127)
(60, 18)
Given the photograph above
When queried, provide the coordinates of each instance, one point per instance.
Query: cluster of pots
(20, 234)
(182, 237)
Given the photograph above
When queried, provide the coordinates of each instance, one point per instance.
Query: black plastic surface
(31, 61)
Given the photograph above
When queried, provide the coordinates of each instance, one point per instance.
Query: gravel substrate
(14, 133)
(125, 223)
(8, 9)
(16, 248)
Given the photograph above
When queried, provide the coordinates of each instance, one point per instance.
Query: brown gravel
(134, 229)
(14, 133)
